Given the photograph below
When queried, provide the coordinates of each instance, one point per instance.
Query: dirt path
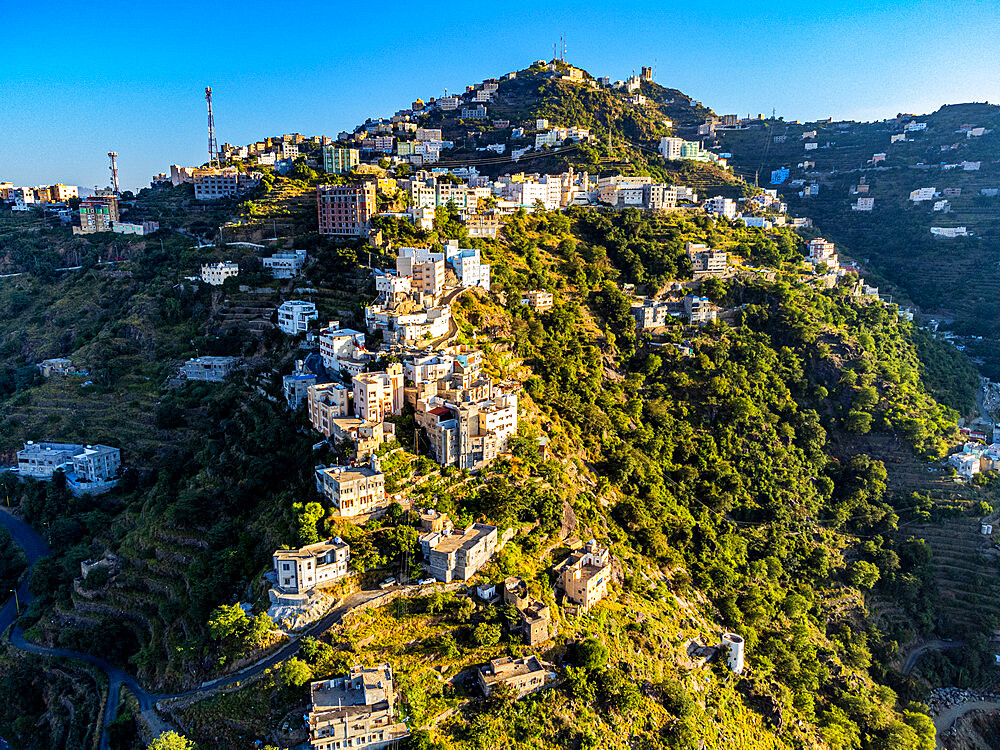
(944, 720)
(914, 655)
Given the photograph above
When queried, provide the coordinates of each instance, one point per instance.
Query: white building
(300, 571)
(720, 206)
(294, 316)
(470, 269)
(285, 265)
(89, 469)
(949, 232)
(339, 345)
(208, 369)
(215, 274)
(923, 194)
(863, 204)
(124, 227)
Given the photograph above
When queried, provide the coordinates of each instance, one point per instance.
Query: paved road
(35, 548)
(944, 720)
(936, 645)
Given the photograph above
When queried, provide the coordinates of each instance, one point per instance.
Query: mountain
(954, 280)
(775, 473)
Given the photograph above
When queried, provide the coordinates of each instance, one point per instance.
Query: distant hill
(955, 279)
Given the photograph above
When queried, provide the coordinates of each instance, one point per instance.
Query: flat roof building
(355, 711)
(299, 571)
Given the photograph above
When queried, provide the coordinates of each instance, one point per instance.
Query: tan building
(534, 616)
(706, 261)
(355, 711)
(468, 434)
(96, 215)
(460, 554)
(524, 675)
(365, 436)
(325, 403)
(353, 490)
(537, 300)
(584, 577)
(62, 193)
(378, 395)
(301, 570)
(434, 521)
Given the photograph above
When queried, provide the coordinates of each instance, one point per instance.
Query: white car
(388, 583)
(426, 581)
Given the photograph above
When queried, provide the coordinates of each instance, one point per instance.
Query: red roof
(441, 412)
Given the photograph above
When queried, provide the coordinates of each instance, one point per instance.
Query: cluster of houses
(974, 458)
(88, 469)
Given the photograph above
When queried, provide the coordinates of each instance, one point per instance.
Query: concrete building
(423, 267)
(339, 345)
(215, 274)
(378, 395)
(822, 251)
(213, 184)
(533, 616)
(55, 366)
(706, 261)
(650, 313)
(295, 385)
(537, 300)
(584, 577)
(89, 469)
(353, 490)
(326, 402)
(863, 204)
(209, 369)
(345, 210)
(355, 711)
(524, 675)
(720, 206)
(285, 265)
(299, 571)
(294, 316)
(97, 214)
(459, 555)
(699, 310)
(468, 434)
(470, 269)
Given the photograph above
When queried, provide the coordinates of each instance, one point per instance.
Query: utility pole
(213, 158)
(114, 170)
(17, 604)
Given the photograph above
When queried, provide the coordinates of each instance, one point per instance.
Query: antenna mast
(114, 170)
(213, 158)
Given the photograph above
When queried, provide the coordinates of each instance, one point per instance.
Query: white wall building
(214, 274)
(294, 316)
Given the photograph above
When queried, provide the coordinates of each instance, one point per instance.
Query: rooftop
(466, 540)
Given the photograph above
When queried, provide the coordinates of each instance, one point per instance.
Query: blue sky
(80, 79)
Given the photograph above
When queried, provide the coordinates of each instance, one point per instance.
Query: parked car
(388, 583)
(426, 581)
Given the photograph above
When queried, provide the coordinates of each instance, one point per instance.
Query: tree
(591, 654)
(258, 629)
(309, 516)
(171, 741)
(864, 574)
(295, 672)
(228, 622)
(486, 634)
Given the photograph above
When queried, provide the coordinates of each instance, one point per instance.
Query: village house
(537, 300)
(353, 490)
(524, 675)
(378, 395)
(706, 261)
(215, 274)
(584, 577)
(458, 554)
(295, 385)
(324, 403)
(299, 571)
(355, 711)
(89, 469)
(294, 316)
(209, 369)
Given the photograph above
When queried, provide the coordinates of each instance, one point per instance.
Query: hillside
(954, 280)
(772, 473)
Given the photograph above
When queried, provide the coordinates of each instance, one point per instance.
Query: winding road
(35, 548)
(913, 656)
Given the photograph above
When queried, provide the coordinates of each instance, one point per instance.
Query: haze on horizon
(131, 77)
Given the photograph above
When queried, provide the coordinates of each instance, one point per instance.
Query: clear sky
(80, 79)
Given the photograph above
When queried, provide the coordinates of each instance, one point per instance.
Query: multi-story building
(474, 113)
(295, 385)
(209, 369)
(720, 206)
(213, 184)
(378, 395)
(215, 274)
(537, 300)
(706, 261)
(524, 675)
(326, 402)
(584, 577)
(700, 310)
(425, 268)
(459, 555)
(299, 571)
(345, 210)
(468, 434)
(650, 313)
(469, 268)
(62, 193)
(96, 215)
(822, 251)
(294, 316)
(285, 265)
(337, 345)
(353, 490)
(355, 711)
(89, 469)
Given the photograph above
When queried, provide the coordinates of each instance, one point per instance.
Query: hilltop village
(504, 369)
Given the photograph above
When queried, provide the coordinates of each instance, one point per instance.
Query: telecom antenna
(114, 170)
(213, 158)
